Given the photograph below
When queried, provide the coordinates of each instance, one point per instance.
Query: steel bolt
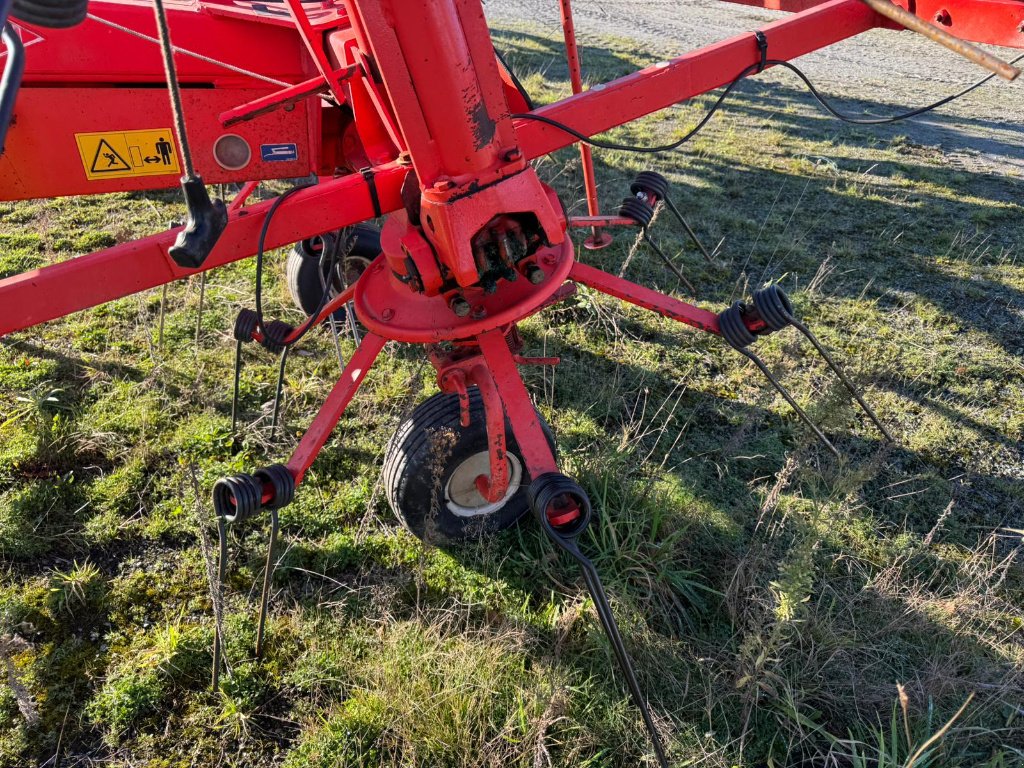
(535, 274)
(387, 314)
(459, 306)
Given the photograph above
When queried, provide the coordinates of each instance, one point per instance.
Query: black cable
(260, 246)
(515, 81)
(632, 147)
(882, 120)
(822, 101)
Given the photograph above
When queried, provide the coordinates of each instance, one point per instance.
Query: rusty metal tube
(968, 50)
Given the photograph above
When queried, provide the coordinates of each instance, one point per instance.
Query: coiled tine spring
(642, 212)
(735, 331)
(237, 499)
(651, 185)
(774, 307)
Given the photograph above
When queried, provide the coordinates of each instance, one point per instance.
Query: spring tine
(268, 575)
(611, 629)
(222, 568)
(280, 387)
(350, 310)
(199, 315)
(163, 311)
(689, 230)
(789, 398)
(337, 341)
(668, 262)
(842, 376)
(234, 396)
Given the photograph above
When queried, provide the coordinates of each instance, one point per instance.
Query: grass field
(782, 607)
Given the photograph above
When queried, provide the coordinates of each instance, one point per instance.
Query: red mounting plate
(389, 309)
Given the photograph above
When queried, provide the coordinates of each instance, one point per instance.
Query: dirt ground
(879, 69)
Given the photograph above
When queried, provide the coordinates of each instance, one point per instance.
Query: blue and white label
(278, 153)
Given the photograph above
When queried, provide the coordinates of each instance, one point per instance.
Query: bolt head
(459, 306)
(535, 274)
(387, 314)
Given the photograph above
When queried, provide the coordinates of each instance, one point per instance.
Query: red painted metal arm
(518, 407)
(699, 318)
(327, 417)
(691, 74)
(60, 289)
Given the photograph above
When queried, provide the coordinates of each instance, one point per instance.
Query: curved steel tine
(689, 230)
(839, 372)
(668, 262)
(337, 342)
(611, 630)
(234, 394)
(789, 398)
(222, 569)
(280, 387)
(268, 575)
(357, 337)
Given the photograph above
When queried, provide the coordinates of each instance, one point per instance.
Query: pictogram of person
(163, 146)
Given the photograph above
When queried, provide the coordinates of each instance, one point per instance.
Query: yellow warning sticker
(117, 154)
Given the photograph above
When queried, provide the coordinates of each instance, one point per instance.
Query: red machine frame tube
(330, 412)
(598, 238)
(701, 319)
(39, 295)
(493, 487)
(518, 406)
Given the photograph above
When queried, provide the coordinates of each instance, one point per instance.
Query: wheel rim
(461, 495)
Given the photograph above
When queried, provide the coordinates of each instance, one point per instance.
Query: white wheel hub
(461, 495)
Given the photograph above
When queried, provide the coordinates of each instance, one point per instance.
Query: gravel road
(983, 131)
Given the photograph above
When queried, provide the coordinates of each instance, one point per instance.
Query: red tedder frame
(401, 110)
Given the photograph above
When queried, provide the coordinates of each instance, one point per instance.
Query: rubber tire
(407, 471)
(302, 270)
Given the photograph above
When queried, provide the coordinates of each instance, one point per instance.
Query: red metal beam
(518, 406)
(60, 289)
(327, 417)
(667, 306)
(662, 85)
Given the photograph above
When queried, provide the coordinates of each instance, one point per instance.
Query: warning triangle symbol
(107, 159)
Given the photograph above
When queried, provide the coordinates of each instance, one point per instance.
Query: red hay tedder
(401, 110)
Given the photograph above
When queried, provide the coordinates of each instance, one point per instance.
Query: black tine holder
(206, 222)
